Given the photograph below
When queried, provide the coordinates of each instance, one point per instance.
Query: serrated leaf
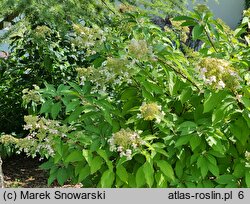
(186, 94)
(195, 141)
(212, 100)
(182, 140)
(149, 173)
(107, 179)
(225, 179)
(197, 31)
(122, 173)
(214, 169)
(240, 130)
(46, 106)
(179, 169)
(166, 168)
(62, 176)
(187, 127)
(202, 164)
(75, 114)
(247, 178)
(51, 178)
(87, 155)
(55, 109)
(72, 105)
(160, 179)
(74, 156)
(183, 18)
(140, 177)
(96, 164)
(84, 172)
(104, 155)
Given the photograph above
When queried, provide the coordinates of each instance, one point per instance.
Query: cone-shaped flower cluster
(151, 111)
(218, 73)
(125, 142)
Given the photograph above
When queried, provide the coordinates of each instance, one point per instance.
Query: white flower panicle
(218, 74)
(139, 49)
(151, 111)
(125, 142)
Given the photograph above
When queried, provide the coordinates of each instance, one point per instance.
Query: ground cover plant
(142, 108)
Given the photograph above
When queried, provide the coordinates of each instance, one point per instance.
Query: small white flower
(138, 116)
(211, 80)
(119, 149)
(203, 70)
(128, 152)
(122, 154)
(221, 84)
(238, 97)
(52, 131)
(134, 145)
(27, 127)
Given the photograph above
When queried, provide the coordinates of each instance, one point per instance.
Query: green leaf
(182, 140)
(179, 169)
(183, 18)
(214, 169)
(46, 107)
(166, 168)
(122, 173)
(84, 172)
(107, 179)
(75, 86)
(72, 105)
(240, 130)
(212, 100)
(140, 177)
(187, 127)
(225, 179)
(51, 178)
(87, 155)
(218, 115)
(104, 155)
(247, 178)
(47, 165)
(74, 156)
(202, 164)
(75, 114)
(96, 164)
(62, 176)
(55, 109)
(197, 31)
(160, 179)
(239, 170)
(195, 141)
(129, 93)
(149, 173)
(186, 94)
(246, 102)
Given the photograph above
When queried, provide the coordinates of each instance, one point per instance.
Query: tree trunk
(1, 174)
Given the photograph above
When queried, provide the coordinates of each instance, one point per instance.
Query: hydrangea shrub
(145, 112)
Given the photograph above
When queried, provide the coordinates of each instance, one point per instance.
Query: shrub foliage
(142, 109)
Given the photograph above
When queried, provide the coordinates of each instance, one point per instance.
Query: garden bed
(24, 172)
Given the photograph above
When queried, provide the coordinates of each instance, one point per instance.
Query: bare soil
(21, 171)
(24, 172)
